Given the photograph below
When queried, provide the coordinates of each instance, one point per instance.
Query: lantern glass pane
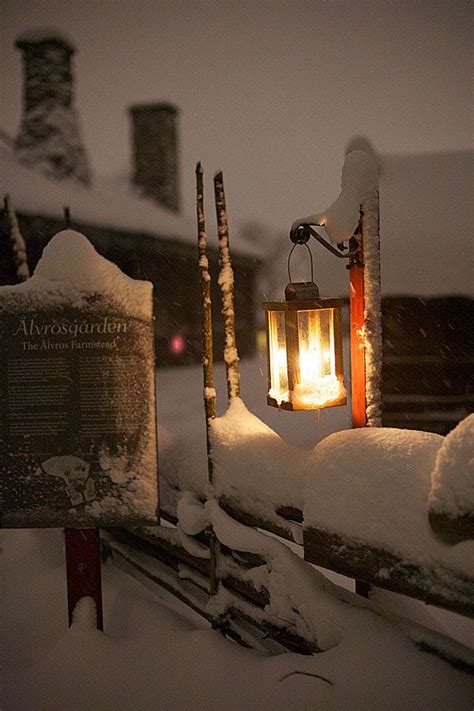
(277, 351)
(318, 381)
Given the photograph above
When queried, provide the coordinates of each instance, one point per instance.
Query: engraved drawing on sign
(75, 474)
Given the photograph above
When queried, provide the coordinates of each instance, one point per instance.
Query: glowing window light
(177, 344)
(305, 368)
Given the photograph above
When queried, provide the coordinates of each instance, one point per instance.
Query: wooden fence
(232, 590)
(158, 554)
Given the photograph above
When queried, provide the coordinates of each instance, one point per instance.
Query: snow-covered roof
(107, 203)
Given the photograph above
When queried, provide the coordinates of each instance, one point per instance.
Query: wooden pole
(366, 349)
(206, 303)
(356, 301)
(226, 283)
(370, 221)
(83, 569)
(207, 355)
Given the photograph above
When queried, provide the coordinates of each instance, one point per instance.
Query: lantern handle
(302, 233)
(310, 259)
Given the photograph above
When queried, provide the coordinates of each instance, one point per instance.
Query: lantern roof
(303, 305)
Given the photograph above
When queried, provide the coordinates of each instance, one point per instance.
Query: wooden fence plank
(436, 585)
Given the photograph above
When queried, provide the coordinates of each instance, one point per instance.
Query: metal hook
(301, 235)
(310, 258)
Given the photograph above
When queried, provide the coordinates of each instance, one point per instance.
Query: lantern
(304, 350)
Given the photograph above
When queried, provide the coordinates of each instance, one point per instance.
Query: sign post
(78, 423)
(83, 569)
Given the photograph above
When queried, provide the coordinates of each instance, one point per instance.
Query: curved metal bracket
(302, 234)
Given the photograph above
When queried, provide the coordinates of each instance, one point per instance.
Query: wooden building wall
(428, 362)
(172, 266)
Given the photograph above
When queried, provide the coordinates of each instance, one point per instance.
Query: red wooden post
(356, 289)
(83, 569)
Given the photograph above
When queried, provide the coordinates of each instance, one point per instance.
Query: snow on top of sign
(113, 203)
(373, 484)
(452, 489)
(359, 183)
(70, 268)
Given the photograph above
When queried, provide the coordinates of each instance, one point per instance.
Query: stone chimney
(155, 149)
(49, 136)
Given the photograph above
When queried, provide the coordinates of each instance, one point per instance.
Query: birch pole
(226, 283)
(17, 242)
(207, 340)
(207, 355)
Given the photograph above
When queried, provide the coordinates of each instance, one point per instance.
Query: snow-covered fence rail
(267, 595)
(360, 502)
(383, 537)
(241, 604)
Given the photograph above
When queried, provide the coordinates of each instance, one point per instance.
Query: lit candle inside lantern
(318, 382)
(304, 355)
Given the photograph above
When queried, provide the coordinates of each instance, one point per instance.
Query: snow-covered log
(451, 500)
(365, 515)
(269, 588)
(365, 503)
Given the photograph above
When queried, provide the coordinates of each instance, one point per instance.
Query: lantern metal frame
(301, 297)
(290, 309)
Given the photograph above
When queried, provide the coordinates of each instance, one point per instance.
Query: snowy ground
(156, 654)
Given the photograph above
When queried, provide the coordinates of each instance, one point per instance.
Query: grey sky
(269, 91)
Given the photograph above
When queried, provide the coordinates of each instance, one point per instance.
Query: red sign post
(83, 569)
